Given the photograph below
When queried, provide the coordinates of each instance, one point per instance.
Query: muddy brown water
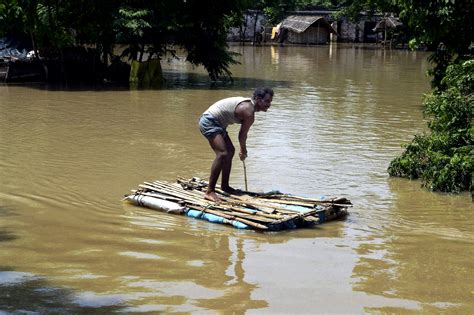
(339, 115)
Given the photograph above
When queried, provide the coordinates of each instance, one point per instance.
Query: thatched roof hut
(391, 27)
(307, 29)
(387, 23)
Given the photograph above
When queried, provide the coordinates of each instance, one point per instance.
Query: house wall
(245, 32)
(313, 35)
(359, 32)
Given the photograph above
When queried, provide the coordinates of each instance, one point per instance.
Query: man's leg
(227, 166)
(218, 144)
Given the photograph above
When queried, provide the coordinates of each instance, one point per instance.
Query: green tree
(202, 31)
(352, 8)
(444, 159)
(19, 19)
(200, 27)
(443, 25)
(275, 10)
(11, 18)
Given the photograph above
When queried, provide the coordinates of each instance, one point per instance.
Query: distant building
(305, 29)
(253, 23)
(311, 27)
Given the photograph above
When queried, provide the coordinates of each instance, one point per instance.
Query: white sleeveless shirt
(224, 110)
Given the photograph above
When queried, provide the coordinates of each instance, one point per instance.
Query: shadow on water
(6, 211)
(173, 81)
(6, 235)
(177, 80)
(29, 293)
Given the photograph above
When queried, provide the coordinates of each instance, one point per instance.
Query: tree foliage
(444, 159)
(150, 28)
(443, 25)
(352, 9)
(275, 10)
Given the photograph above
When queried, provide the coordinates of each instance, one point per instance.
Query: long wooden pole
(245, 177)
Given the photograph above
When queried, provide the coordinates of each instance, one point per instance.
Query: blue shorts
(210, 127)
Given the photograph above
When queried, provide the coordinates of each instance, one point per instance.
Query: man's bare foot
(212, 196)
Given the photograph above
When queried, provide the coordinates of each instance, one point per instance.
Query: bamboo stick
(264, 206)
(245, 176)
(248, 214)
(335, 200)
(172, 192)
(174, 188)
(244, 216)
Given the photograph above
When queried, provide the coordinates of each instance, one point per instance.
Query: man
(213, 124)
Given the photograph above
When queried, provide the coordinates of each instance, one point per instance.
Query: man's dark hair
(261, 92)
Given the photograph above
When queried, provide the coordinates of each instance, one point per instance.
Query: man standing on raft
(213, 124)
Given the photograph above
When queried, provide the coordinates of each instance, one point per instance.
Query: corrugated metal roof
(300, 23)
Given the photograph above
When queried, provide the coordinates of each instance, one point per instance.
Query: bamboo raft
(272, 211)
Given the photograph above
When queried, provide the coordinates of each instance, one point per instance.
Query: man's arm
(246, 113)
(244, 129)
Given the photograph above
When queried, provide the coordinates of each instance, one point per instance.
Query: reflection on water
(338, 117)
(430, 243)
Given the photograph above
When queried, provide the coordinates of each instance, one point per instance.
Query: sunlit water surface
(339, 115)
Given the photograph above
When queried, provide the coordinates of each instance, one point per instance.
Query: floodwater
(68, 244)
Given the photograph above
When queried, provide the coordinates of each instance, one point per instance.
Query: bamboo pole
(341, 200)
(167, 192)
(265, 206)
(175, 190)
(245, 176)
(250, 212)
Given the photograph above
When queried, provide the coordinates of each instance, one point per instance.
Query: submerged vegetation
(444, 159)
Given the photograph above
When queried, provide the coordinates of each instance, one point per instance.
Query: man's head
(263, 97)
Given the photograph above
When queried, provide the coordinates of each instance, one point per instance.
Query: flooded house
(305, 29)
(391, 32)
(312, 27)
